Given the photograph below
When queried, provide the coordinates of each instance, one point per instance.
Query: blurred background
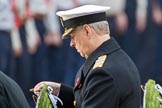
(31, 48)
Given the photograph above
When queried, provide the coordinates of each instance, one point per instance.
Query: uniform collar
(107, 47)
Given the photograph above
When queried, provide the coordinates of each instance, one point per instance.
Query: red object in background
(18, 19)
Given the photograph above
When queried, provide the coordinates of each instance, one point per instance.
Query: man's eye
(72, 37)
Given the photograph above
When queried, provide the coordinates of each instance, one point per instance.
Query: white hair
(101, 28)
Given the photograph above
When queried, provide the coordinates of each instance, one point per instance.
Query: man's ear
(88, 30)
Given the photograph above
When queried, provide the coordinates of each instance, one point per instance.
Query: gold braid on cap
(62, 22)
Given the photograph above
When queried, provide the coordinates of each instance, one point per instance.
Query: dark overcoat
(11, 95)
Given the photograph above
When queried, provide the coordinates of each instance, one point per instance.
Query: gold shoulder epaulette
(100, 61)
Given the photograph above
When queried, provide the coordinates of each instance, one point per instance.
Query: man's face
(79, 40)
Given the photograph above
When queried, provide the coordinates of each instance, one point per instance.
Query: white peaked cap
(85, 14)
(81, 11)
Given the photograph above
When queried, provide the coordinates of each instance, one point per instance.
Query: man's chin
(84, 56)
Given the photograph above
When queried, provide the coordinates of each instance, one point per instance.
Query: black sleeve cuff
(67, 96)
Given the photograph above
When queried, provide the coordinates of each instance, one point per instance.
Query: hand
(33, 46)
(55, 86)
(17, 52)
(53, 39)
(141, 22)
(157, 15)
(121, 21)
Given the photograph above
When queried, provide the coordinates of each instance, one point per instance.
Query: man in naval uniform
(108, 78)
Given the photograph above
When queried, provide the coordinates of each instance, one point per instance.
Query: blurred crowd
(31, 48)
